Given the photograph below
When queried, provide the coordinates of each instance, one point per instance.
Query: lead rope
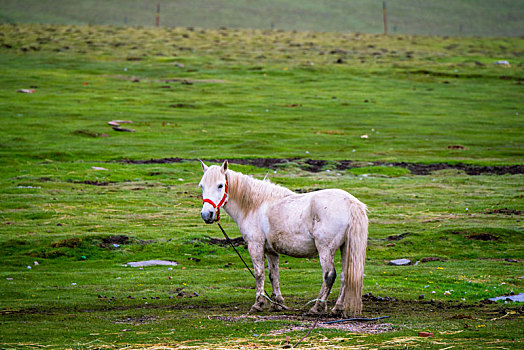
(249, 269)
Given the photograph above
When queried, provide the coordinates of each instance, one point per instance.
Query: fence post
(385, 17)
(157, 15)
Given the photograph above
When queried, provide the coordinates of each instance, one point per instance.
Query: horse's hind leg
(338, 309)
(327, 261)
(272, 265)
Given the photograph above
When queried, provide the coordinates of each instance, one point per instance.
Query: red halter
(220, 204)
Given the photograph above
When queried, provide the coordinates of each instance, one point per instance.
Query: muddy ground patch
(316, 165)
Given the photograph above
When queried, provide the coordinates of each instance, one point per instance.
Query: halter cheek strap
(220, 204)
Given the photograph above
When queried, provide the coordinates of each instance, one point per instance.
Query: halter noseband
(220, 204)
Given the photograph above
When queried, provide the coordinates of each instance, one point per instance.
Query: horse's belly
(296, 245)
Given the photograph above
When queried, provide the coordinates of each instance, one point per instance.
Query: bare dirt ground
(315, 166)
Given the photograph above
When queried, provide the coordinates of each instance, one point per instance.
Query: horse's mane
(250, 193)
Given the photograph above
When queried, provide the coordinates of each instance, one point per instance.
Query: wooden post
(385, 17)
(157, 15)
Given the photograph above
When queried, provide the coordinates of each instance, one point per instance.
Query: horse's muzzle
(209, 216)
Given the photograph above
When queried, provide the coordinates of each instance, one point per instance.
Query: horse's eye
(220, 186)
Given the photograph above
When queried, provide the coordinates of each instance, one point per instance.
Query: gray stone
(518, 298)
(151, 263)
(400, 262)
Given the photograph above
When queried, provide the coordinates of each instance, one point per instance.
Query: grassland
(492, 18)
(252, 94)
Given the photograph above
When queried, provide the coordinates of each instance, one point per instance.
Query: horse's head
(214, 191)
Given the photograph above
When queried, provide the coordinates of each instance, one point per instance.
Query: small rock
(503, 63)
(400, 262)
(117, 128)
(151, 263)
(515, 298)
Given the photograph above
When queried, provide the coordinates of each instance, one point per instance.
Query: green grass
(238, 94)
(491, 18)
(412, 109)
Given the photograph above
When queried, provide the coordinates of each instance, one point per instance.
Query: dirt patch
(426, 169)
(483, 237)
(120, 239)
(192, 81)
(137, 320)
(154, 161)
(432, 258)
(94, 183)
(271, 163)
(239, 241)
(353, 327)
(73, 243)
(504, 211)
(89, 133)
(182, 105)
(397, 237)
(315, 165)
(180, 293)
(303, 323)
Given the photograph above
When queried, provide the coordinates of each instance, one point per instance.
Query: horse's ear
(224, 167)
(204, 167)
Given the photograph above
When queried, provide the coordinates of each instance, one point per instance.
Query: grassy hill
(442, 17)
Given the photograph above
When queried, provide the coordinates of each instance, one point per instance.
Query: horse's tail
(356, 243)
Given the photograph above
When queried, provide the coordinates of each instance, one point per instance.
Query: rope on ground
(357, 319)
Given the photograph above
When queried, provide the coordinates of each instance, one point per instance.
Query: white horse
(274, 220)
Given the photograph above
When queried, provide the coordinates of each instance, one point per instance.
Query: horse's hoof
(255, 309)
(318, 309)
(337, 312)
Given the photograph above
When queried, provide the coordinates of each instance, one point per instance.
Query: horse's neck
(247, 195)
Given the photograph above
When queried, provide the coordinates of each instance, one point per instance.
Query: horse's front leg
(272, 266)
(256, 251)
